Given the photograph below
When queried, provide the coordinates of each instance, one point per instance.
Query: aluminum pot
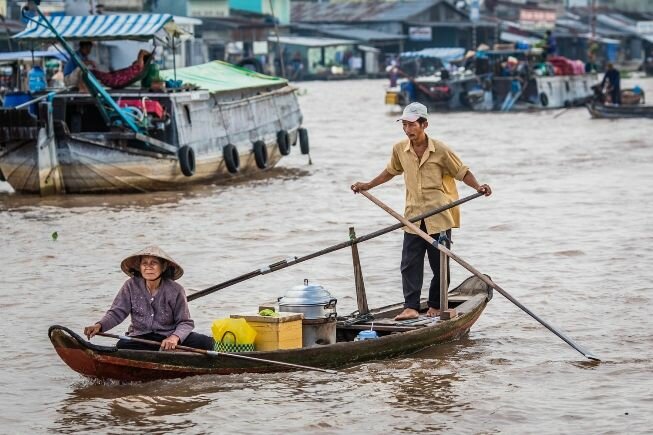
(313, 300)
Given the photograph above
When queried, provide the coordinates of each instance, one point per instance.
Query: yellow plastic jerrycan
(233, 335)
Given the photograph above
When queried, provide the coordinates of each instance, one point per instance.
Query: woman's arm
(120, 309)
(181, 314)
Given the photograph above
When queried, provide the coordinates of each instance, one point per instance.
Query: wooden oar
(295, 260)
(484, 278)
(561, 112)
(214, 353)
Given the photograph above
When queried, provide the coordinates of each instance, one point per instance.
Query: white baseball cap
(413, 112)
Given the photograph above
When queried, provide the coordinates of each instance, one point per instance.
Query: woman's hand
(90, 331)
(170, 343)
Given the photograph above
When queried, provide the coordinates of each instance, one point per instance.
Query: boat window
(188, 118)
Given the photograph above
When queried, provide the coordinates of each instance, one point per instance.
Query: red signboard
(537, 18)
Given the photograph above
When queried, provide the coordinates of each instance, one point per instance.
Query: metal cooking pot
(313, 300)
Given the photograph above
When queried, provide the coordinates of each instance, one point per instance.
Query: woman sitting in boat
(156, 303)
(114, 79)
(124, 77)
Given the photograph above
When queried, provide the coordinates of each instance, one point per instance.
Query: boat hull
(615, 112)
(103, 362)
(97, 162)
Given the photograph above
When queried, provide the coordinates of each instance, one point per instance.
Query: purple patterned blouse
(165, 313)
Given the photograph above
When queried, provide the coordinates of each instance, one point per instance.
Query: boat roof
(218, 76)
(97, 27)
(444, 54)
(28, 55)
(307, 41)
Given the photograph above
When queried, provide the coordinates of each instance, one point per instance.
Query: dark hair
(421, 120)
(83, 44)
(168, 273)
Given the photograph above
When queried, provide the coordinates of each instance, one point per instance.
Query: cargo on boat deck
(274, 333)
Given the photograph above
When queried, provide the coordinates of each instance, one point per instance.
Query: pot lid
(306, 294)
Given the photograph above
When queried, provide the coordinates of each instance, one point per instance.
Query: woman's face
(151, 267)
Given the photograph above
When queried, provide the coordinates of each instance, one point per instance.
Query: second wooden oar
(295, 260)
(484, 278)
(214, 353)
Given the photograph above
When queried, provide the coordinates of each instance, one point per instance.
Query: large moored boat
(219, 121)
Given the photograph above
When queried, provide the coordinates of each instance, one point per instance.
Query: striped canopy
(97, 27)
(444, 54)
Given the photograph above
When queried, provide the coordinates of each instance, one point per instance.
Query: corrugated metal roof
(358, 11)
(97, 27)
(350, 32)
(311, 42)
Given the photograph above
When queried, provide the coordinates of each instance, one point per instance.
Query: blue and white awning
(446, 55)
(97, 27)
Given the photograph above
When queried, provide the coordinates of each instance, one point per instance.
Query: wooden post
(445, 312)
(50, 175)
(444, 286)
(361, 298)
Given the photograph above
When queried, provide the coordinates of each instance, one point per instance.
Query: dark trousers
(199, 341)
(412, 269)
(615, 95)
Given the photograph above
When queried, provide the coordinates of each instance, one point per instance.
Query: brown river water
(568, 232)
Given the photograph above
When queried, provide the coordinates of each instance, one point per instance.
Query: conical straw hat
(133, 262)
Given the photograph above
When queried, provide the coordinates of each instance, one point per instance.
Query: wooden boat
(226, 122)
(624, 111)
(395, 339)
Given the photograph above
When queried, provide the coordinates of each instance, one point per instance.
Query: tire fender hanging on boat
(303, 140)
(260, 154)
(186, 160)
(544, 99)
(283, 140)
(231, 158)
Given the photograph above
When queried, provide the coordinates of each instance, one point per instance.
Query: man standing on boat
(612, 78)
(430, 169)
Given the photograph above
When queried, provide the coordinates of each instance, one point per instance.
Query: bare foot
(408, 313)
(433, 312)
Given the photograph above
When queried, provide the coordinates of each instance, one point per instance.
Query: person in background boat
(156, 303)
(550, 45)
(71, 72)
(430, 169)
(57, 80)
(612, 79)
(296, 66)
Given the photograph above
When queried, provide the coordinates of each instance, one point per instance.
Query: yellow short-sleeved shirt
(429, 182)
